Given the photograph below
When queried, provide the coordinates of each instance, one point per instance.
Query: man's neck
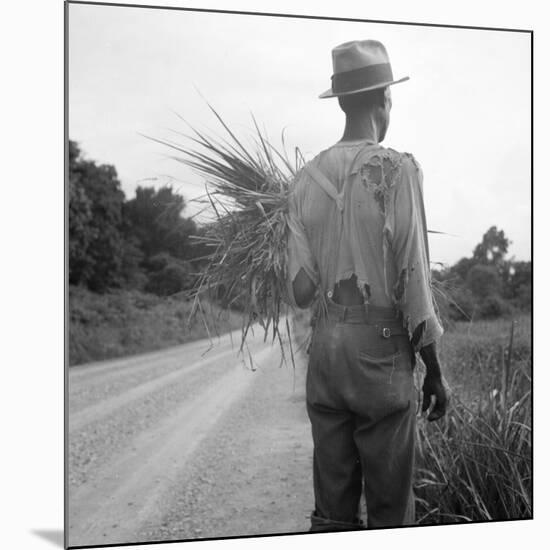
(361, 127)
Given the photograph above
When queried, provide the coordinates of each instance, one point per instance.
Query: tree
(483, 281)
(168, 275)
(81, 232)
(520, 284)
(132, 258)
(154, 217)
(461, 268)
(113, 242)
(487, 284)
(493, 247)
(96, 246)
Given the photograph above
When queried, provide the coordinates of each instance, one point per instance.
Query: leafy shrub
(456, 303)
(168, 275)
(483, 281)
(524, 296)
(494, 306)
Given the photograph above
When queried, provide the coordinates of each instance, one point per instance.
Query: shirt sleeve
(412, 292)
(299, 254)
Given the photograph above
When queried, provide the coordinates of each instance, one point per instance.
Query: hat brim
(329, 92)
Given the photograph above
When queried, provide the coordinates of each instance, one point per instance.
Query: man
(358, 243)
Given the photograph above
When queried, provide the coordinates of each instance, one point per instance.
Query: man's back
(369, 225)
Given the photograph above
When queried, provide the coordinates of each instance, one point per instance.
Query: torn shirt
(371, 224)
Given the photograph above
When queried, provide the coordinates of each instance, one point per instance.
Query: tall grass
(475, 464)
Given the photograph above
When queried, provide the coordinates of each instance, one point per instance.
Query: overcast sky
(464, 114)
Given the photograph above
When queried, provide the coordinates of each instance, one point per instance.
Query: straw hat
(359, 66)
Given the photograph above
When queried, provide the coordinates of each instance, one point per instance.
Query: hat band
(363, 77)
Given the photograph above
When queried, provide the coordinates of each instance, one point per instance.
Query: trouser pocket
(384, 384)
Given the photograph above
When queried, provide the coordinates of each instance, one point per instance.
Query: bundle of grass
(247, 191)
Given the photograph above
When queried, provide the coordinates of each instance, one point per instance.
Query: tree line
(487, 284)
(140, 243)
(146, 243)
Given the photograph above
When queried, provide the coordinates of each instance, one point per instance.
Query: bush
(494, 306)
(484, 280)
(168, 275)
(173, 278)
(458, 304)
(524, 296)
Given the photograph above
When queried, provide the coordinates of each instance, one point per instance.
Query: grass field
(119, 323)
(476, 465)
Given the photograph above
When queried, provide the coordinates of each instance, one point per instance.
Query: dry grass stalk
(247, 191)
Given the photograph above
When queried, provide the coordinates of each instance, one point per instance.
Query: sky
(464, 113)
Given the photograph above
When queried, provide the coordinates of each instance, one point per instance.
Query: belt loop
(342, 314)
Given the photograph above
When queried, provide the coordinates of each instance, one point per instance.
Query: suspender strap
(326, 185)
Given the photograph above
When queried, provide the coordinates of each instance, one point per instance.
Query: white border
(32, 268)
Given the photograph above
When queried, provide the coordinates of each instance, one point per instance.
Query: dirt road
(179, 444)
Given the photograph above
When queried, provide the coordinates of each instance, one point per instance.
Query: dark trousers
(362, 407)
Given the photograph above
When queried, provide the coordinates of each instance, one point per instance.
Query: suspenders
(330, 189)
(326, 185)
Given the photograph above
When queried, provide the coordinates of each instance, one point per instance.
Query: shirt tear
(364, 289)
(379, 175)
(401, 285)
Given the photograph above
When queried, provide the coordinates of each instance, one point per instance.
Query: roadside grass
(125, 322)
(475, 464)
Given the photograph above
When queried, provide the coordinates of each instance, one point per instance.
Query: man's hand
(434, 390)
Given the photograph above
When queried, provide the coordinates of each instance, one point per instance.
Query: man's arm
(304, 289)
(302, 271)
(412, 256)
